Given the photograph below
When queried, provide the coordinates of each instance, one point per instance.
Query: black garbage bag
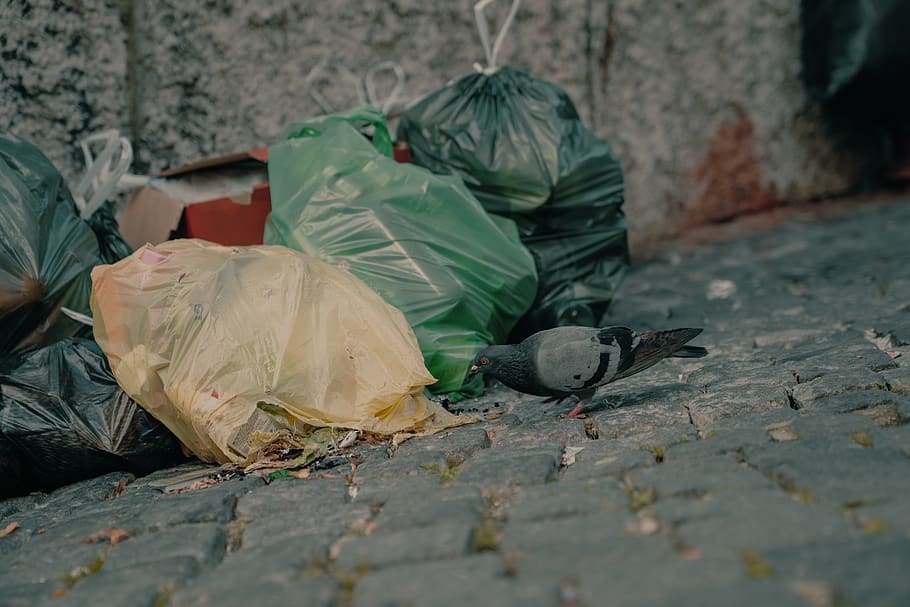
(63, 418)
(856, 56)
(111, 245)
(520, 146)
(46, 251)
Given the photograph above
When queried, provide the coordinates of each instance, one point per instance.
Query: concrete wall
(700, 98)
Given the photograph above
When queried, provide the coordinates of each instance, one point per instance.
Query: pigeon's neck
(512, 367)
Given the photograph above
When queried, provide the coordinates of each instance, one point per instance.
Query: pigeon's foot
(574, 413)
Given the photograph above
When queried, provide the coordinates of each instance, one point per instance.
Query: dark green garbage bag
(520, 146)
(856, 56)
(63, 418)
(420, 240)
(46, 250)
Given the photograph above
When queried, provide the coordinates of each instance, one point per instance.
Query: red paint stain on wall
(728, 181)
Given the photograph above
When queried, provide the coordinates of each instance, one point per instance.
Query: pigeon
(568, 361)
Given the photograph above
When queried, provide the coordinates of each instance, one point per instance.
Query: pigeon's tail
(659, 345)
(690, 352)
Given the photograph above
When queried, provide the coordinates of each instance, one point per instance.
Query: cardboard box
(224, 200)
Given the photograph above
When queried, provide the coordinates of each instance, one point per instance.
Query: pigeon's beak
(473, 371)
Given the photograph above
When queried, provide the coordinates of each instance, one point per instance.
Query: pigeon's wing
(575, 359)
(652, 347)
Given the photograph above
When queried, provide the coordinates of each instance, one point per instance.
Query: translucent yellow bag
(200, 335)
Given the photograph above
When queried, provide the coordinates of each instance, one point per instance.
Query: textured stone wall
(701, 99)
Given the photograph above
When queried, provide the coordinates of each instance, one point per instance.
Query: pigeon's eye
(485, 361)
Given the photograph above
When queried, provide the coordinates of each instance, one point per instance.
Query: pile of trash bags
(63, 417)
(377, 281)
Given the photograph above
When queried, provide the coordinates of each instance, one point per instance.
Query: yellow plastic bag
(201, 335)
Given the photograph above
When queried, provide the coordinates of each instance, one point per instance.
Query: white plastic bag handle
(103, 174)
(483, 27)
(318, 69)
(392, 97)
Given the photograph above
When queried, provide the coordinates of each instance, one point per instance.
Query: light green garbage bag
(422, 241)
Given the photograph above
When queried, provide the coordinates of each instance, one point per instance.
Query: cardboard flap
(149, 217)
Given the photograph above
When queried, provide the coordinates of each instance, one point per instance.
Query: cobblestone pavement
(776, 471)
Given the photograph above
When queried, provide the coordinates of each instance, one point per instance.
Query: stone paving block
(382, 549)
(415, 508)
(712, 475)
(603, 459)
(604, 526)
(294, 495)
(832, 430)
(141, 585)
(412, 462)
(898, 380)
(868, 570)
(735, 398)
(375, 491)
(820, 471)
(835, 352)
(809, 393)
(311, 525)
(134, 515)
(568, 498)
(864, 402)
(29, 595)
(475, 580)
(757, 521)
(457, 444)
(547, 431)
(44, 562)
(510, 469)
(603, 571)
(889, 516)
(746, 593)
(251, 590)
(629, 421)
(198, 546)
(896, 438)
(290, 556)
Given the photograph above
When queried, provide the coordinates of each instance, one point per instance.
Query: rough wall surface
(701, 99)
(63, 73)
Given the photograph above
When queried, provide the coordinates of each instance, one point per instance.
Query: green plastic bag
(46, 250)
(519, 145)
(421, 241)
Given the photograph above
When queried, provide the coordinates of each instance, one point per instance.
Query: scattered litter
(9, 529)
(121, 485)
(568, 455)
(591, 430)
(648, 525)
(721, 289)
(215, 477)
(112, 535)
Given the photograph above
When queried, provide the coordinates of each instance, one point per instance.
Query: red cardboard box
(224, 200)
